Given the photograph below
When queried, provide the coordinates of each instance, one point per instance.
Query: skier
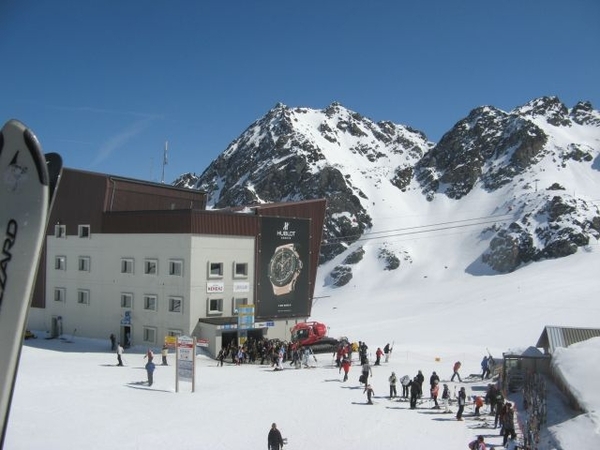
(387, 350)
(113, 342)
(150, 371)
(378, 355)
(455, 370)
(420, 379)
(508, 424)
(478, 404)
(462, 400)
(446, 398)
(433, 379)
(393, 380)
(149, 354)
(434, 394)
(499, 407)
(370, 393)
(485, 368)
(415, 388)
(119, 354)
(274, 439)
(405, 381)
(164, 352)
(366, 371)
(345, 367)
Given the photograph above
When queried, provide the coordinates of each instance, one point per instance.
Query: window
(176, 267)
(84, 264)
(240, 270)
(215, 270)
(60, 231)
(215, 306)
(83, 231)
(176, 304)
(150, 302)
(83, 297)
(174, 333)
(60, 263)
(237, 302)
(126, 265)
(126, 300)
(149, 335)
(151, 267)
(59, 295)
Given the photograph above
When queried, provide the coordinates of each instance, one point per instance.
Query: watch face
(284, 264)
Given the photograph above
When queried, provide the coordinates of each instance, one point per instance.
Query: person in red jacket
(378, 355)
(345, 367)
(435, 389)
(455, 369)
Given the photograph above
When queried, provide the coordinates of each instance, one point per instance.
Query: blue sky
(106, 83)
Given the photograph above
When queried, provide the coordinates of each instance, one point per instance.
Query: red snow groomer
(314, 336)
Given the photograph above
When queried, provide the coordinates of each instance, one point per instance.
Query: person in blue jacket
(150, 371)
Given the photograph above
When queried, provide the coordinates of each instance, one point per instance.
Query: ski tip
(16, 133)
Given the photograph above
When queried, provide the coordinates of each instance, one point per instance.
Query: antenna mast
(165, 162)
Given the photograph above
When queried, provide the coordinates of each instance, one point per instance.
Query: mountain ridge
(526, 158)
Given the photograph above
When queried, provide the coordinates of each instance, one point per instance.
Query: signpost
(185, 361)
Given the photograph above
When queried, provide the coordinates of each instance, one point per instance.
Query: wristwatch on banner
(284, 269)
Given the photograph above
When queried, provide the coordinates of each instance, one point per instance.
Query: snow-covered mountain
(509, 175)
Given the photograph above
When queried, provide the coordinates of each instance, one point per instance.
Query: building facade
(144, 261)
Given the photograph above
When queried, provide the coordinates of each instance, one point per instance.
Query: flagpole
(162, 180)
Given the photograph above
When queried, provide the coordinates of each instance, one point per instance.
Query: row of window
(150, 301)
(175, 267)
(149, 334)
(83, 231)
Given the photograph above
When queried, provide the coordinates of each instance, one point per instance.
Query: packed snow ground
(70, 395)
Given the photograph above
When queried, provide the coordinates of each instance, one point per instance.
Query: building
(145, 260)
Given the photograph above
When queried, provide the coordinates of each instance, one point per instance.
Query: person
(362, 352)
(455, 370)
(150, 371)
(435, 388)
(405, 381)
(499, 407)
(420, 379)
(366, 371)
(414, 392)
(393, 380)
(462, 400)
(478, 444)
(119, 354)
(446, 398)
(345, 367)
(274, 439)
(378, 355)
(387, 351)
(164, 352)
(433, 379)
(113, 342)
(485, 368)
(490, 397)
(149, 354)
(478, 402)
(221, 357)
(508, 424)
(370, 393)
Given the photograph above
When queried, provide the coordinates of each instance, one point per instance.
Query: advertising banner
(284, 259)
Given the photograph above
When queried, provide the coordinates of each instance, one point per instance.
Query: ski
(25, 196)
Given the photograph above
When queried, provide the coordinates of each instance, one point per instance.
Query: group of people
(150, 366)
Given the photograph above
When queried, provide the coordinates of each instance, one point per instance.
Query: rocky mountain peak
(356, 163)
